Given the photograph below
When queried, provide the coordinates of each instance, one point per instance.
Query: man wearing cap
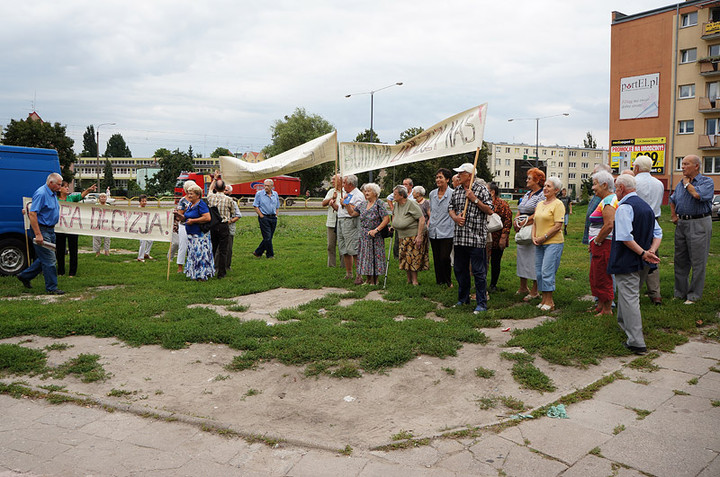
(266, 204)
(690, 207)
(651, 190)
(44, 213)
(470, 236)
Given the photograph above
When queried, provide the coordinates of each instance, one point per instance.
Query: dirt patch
(422, 396)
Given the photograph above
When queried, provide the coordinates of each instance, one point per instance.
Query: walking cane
(387, 265)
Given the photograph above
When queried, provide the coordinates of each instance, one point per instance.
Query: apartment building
(509, 164)
(665, 83)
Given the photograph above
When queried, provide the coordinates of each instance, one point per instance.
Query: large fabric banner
(141, 223)
(312, 153)
(455, 135)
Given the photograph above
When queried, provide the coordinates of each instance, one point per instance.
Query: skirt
(526, 262)
(200, 264)
(412, 258)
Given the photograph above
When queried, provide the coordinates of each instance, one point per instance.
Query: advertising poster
(639, 96)
(624, 151)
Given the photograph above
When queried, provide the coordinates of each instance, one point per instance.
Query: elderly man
(635, 240)
(348, 232)
(220, 234)
(470, 236)
(332, 202)
(266, 204)
(44, 213)
(690, 207)
(651, 190)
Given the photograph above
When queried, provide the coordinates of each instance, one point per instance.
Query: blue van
(23, 170)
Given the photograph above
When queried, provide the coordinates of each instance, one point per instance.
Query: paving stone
(259, 457)
(521, 462)
(207, 446)
(700, 349)
(593, 466)
(465, 463)
(319, 464)
(707, 386)
(626, 393)
(561, 438)
(72, 417)
(670, 380)
(117, 426)
(712, 470)
(600, 415)
(447, 446)
(419, 456)
(159, 436)
(684, 363)
(657, 454)
(492, 450)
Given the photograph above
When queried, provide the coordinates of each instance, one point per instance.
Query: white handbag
(494, 223)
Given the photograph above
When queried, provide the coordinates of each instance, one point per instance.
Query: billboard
(624, 151)
(639, 96)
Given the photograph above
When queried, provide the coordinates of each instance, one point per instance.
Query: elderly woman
(373, 218)
(601, 225)
(200, 264)
(526, 253)
(548, 238)
(409, 222)
(441, 228)
(97, 240)
(500, 238)
(64, 195)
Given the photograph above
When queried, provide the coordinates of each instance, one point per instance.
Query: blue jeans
(547, 262)
(267, 229)
(45, 261)
(464, 258)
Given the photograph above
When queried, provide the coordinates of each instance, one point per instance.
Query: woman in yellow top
(549, 240)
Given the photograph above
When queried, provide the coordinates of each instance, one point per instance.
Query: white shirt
(356, 197)
(651, 190)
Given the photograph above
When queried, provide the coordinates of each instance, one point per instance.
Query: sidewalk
(658, 423)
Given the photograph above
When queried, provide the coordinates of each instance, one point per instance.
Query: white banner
(140, 223)
(455, 135)
(639, 96)
(312, 153)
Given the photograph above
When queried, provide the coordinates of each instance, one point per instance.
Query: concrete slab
(420, 456)
(627, 393)
(600, 416)
(321, 464)
(684, 362)
(657, 454)
(712, 470)
(703, 349)
(465, 463)
(259, 458)
(155, 435)
(521, 462)
(592, 466)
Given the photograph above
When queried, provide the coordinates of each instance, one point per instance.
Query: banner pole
(472, 180)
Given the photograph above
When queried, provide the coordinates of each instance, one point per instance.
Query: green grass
(16, 359)
(530, 377)
(484, 373)
(144, 308)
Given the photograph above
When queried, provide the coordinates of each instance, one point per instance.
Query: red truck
(287, 187)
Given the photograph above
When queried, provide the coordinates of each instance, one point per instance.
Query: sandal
(358, 280)
(529, 297)
(547, 308)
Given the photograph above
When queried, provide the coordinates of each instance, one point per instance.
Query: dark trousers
(441, 249)
(72, 247)
(464, 258)
(219, 236)
(45, 261)
(495, 258)
(267, 229)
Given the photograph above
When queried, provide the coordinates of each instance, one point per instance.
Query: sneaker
(689, 302)
(638, 350)
(57, 291)
(25, 282)
(479, 309)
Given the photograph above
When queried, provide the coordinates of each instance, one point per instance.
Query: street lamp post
(97, 170)
(372, 110)
(537, 131)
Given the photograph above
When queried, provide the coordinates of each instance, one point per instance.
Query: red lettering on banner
(133, 225)
(155, 222)
(76, 217)
(112, 221)
(64, 213)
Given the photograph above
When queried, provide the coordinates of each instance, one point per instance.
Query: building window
(552, 153)
(507, 162)
(711, 126)
(572, 154)
(688, 19)
(583, 176)
(678, 163)
(498, 149)
(598, 155)
(507, 150)
(517, 150)
(572, 165)
(544, 152)
(552, 164)
(561, 154)
(560, 163)
(584, 154)
(584, 165)
(571, 175)
(686, 127)
(507, 173)
(498, 161)
(713, 50)
(688, 56)
(507, 185)
(714, 15)
(559, 175)
(526, 151)
(711, 165)
(687, 91)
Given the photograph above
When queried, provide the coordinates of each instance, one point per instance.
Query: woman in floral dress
(373, 218)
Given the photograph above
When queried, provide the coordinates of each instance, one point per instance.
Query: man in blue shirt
(635, 241)
(266, 206)
(690, 211)
(43, 215)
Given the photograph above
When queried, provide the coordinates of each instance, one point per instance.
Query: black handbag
(215, 220)
(385, 231)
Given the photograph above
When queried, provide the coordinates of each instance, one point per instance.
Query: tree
(32, 133)
(108, 179)
(221, 151)
(586, 189)
(589, 141)
(294, 130)
(116, 147)
(171, 165)
(89, 143)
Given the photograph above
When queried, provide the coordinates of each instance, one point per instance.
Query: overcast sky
(218, 73)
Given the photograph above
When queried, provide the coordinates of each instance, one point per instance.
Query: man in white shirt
(348, 233)
(332, 202)
(651, 190)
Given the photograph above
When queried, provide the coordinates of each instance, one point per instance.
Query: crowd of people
(622, 233)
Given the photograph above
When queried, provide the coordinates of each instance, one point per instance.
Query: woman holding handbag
(374, 221)
(526, 251)
(500, 239)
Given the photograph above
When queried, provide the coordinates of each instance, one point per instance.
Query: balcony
(709, 105)
(711, 30)
(709, 142)
(709, 66)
